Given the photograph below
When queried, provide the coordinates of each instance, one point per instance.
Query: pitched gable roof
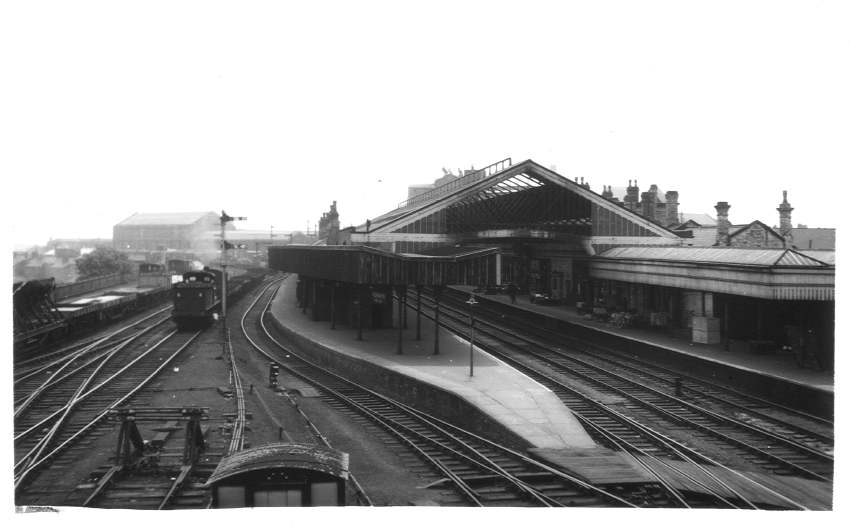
(767, 229)
(521, 177)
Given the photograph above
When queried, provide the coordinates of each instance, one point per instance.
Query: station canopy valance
(778, 274)
(357, 264)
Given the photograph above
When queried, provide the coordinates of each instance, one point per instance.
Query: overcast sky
(271, 110)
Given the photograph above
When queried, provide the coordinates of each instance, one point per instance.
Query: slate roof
(805, 238)
(706, 236)
(703, 219)
(735, 232)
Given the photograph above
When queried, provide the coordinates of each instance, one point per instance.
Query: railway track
(479, 471)
(599, 378)
(58, 425)
(810, 429)
(164, 479)
(34, 369)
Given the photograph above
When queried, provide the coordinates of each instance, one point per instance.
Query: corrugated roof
(716, 255)
(827, 257)
(165, 218)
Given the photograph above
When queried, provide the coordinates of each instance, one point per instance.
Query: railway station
(751, 307)
(525, 227)
(504, 337)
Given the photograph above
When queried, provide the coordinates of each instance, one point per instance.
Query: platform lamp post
(225, 219)
(472, 303)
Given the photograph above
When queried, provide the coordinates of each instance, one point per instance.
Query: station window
(277, 498)
(323, 493)
(230, 497)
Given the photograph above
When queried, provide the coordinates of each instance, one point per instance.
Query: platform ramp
(603, 467)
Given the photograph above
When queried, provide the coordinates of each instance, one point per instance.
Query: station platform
(778, 366)
(528, 409)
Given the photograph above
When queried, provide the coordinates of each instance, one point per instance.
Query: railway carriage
(280, 475)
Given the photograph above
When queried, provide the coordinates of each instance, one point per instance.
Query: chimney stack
(606, 192)
(672, 198)
(722, 209)
(632, 193)
(647, 205)
(785, 209)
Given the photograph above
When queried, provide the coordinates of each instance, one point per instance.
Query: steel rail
(667, 442)
(20, 478)
(515, 481)
(641, 368)
(462, 486)
(548, 333)
(359, 490)
(78, 345)
(33, 454)
(237, 439)
(668, 413)
(122, 343)
(23, 376)
(73, 357)
(82, 397)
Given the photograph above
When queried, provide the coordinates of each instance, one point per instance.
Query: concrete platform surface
(780, 366)
(521, 404)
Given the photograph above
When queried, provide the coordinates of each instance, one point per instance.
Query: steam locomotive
(198, 297)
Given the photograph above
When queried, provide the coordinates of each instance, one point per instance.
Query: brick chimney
(722, 209)
(606, 192)
(647, 205)
(632, 196)
(785, 209)
(672, 198)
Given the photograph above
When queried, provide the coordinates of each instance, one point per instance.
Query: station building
(556, 239)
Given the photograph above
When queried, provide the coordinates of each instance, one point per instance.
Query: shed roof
(166, 218)
(282, 455)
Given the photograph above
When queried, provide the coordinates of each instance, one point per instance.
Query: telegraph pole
(224, 220)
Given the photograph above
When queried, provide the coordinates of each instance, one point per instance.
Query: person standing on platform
(512, 292)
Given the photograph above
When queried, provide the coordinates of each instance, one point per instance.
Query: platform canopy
(365, 265)
(776, 274)
(503, 200)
